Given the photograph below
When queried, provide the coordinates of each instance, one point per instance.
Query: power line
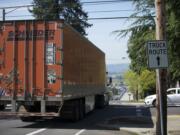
(115, 18)
(11, 11)
(22, 6)
(110, 11)
(83, 3)
(98, 18)
(13, 16)
(105, 2)
(103, 11)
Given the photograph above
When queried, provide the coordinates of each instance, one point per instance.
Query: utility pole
(161, 74)
(3, 14)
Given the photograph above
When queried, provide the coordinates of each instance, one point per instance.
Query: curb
(130, 119)
(134, 131)
(169, 116)
(137, 131)
(131, 124)
(116, 127)
(174, 116)
(128, 122)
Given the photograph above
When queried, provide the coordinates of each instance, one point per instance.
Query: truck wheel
(76, 112)
(81, 109)
(107, 103)
(2, 107)
(100, 101)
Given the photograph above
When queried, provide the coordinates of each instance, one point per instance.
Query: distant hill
(117, 68)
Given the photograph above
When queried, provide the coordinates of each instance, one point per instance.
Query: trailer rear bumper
(29, 114)
(37, 98)
(37, 106)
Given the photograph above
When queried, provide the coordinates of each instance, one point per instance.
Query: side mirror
(109, 82)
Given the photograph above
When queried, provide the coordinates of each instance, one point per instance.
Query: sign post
(161, 73)
(158, 59)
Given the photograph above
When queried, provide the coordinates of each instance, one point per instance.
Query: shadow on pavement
(110, 118)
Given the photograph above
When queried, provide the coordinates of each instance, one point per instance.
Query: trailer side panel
(84, 66)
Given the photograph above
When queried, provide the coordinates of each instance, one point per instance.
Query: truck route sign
(157, 54)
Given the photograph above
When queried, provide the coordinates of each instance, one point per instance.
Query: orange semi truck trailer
(48, 69)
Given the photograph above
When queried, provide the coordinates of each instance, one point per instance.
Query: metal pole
(161, 74)
(3, 14)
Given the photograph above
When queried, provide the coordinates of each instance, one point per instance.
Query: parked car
(173, 98)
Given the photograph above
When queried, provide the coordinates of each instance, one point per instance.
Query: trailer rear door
(30, 59)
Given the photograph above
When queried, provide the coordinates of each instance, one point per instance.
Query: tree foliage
(173, 38)
(137, 50)
(132, 81)
(143, 29)
(69, 10)
(147, 81)
(140, 83)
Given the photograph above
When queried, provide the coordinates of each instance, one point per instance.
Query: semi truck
(48, 69)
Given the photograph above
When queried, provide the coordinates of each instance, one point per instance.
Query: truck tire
(77, 112)
(81, 109)
(100, 101)
(2, 107)
(73, 110)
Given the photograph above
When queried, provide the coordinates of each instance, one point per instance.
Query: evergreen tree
(69, 10)
(143, 29)
(173, 38)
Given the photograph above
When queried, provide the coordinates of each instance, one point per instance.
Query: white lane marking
(37, 131)
(78, 133)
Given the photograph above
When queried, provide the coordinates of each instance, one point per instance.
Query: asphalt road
(171, 110)
(91, 125)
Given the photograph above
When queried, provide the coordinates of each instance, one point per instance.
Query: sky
(101, 33)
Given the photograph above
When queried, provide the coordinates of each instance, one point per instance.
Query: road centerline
(37, 131)
(79, 132)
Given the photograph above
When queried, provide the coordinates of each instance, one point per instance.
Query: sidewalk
(114, 102)
(173, 127)
(142, 125)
